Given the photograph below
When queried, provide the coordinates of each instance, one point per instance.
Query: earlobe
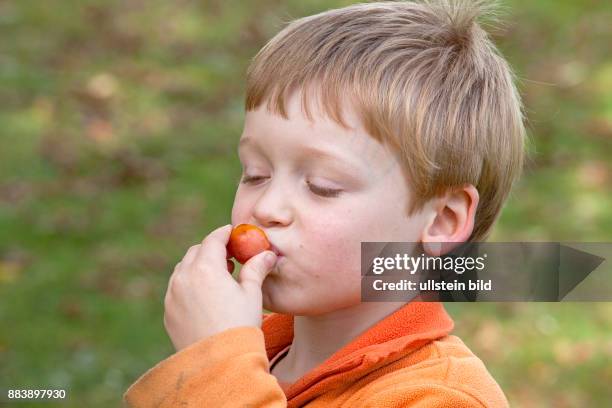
(433, 248)
(434, 229)
(452, 221)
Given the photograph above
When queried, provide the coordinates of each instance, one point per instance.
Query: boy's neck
(316, 338)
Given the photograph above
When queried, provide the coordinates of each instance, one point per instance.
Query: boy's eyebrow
(312, 152)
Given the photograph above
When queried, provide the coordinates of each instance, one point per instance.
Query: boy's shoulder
(463, 367)
(442, 368)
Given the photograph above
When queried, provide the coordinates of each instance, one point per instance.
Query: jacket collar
(408, 328)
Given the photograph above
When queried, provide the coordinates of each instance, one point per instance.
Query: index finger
(213, 249)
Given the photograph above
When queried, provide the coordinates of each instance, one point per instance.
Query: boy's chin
(276, 304)
(285, 296)
(291, 305)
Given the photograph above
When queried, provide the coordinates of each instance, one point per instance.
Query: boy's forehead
(319, 137)
(308, 117)
(319, 133)
(269, 132)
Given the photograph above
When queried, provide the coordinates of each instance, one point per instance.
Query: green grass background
(119, 123)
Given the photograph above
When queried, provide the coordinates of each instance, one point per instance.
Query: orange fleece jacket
(408, 359)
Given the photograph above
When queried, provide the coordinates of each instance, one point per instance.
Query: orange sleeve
(227, 369)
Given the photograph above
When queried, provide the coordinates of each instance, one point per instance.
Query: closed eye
(252, 179)
(318, 190)
(324, 191)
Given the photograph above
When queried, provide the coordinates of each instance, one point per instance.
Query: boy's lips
(275, 250)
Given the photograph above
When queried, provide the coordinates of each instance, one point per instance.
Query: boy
(390, 121)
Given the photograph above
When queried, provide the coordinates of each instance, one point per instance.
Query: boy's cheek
(335, 245)
(240, 213)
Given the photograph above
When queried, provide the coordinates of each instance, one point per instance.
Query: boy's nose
(273, 208)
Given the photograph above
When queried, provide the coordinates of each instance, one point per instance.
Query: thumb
(255, 271)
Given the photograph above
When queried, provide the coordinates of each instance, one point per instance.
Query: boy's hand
(204, 299)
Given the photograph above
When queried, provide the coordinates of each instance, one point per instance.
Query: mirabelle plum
(246, 241)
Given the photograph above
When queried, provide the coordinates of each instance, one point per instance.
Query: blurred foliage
(119, 124)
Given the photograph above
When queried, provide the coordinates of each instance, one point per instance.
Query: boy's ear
(451, 221)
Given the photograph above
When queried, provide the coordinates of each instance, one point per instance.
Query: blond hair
(424, 78)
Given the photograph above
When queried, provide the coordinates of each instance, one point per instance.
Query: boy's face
(318, 190)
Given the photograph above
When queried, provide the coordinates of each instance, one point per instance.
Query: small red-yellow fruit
(246, 241)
